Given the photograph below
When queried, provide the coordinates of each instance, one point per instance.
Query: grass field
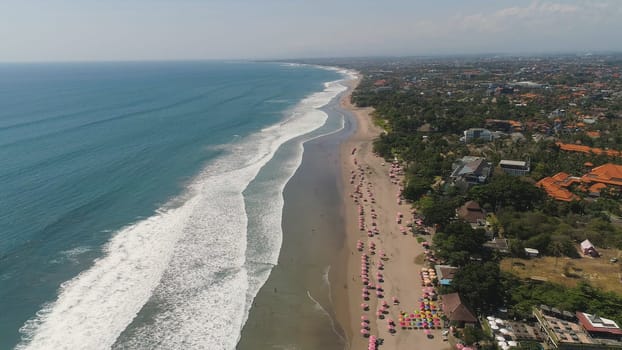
(599, 272)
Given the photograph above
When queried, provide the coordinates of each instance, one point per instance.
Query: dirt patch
(599, 272)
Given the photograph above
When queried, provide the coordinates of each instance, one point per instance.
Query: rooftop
(456, 310)
(596, 324)
(588, 150)
(607, 174)
(555, 187)
(513, 163)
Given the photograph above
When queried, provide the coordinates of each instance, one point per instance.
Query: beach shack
(588, 249)
(456, 311)
(472, 213)
(445, 274)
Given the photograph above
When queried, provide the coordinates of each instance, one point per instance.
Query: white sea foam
(188, 261)
(71, 255)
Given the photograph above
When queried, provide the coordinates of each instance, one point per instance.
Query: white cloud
(535, 26)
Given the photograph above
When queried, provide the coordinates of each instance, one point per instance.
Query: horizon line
(583, 53)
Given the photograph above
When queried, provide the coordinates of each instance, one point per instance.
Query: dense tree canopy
(507, 191)
(437, 210)
(478, 285)
(458, 244)
(524, 295)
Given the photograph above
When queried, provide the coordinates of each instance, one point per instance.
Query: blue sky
(79, 30)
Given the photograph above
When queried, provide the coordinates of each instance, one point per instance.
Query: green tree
(507, 191)
(478, 285)
(438, 211)
(458, 243)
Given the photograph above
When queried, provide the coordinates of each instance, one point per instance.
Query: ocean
(141, 203)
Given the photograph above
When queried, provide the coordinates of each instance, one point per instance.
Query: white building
(514, 167)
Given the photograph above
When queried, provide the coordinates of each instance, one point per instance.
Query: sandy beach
(380, 206)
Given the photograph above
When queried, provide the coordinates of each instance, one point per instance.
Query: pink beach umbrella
(364, 318)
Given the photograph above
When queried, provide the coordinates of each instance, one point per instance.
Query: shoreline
(404, 254)
(294, 309)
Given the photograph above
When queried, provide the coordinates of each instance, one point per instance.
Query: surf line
(332, 321)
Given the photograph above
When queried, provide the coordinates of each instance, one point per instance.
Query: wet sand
(295, 309)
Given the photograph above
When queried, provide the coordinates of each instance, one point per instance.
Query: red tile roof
(588, 150)
(555, 187)
(606, 174)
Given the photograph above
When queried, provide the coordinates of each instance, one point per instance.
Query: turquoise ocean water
(125, 201)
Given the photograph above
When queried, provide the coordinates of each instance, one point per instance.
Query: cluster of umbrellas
(365, 275)
(497, 325)
(422, 319)
(357, 195)
(425, 315)
(427, 276)
(391, 326)
(361, 218)
(384, 309)
(364, 326)
(373, 343)
(372, 247)
(429, 254)
(395, 171)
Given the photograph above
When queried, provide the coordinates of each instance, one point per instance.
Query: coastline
(313, 295)
(294, 309)
(405, 255)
